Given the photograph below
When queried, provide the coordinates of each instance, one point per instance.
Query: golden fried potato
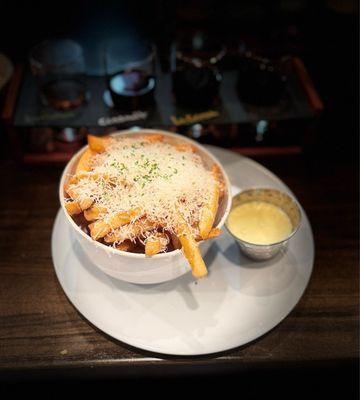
(98, 144)
(73, 207)
(208, 213)
(92, 213)
(155, 137)
(100, 228)
(155, 245)
(187, 147)
(136, 229)
(215, 232)
(215, 170)
(191, 250)
(125, 246)
(84, 163)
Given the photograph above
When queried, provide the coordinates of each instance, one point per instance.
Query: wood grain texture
(41, 331)
(308, 85)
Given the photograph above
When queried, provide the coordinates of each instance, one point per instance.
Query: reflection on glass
(59, 68)
(130, 73)
(195, 73)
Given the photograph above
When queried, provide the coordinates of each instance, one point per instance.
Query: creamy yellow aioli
(259, 222)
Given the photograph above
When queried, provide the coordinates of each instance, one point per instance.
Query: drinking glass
(130, 70)
(195, 73)
(59, 68)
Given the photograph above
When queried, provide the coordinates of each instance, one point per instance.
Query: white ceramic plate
(236, 303)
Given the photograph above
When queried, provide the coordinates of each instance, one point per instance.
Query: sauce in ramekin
(259, 222)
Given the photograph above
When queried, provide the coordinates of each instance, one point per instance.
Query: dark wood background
(42, 335)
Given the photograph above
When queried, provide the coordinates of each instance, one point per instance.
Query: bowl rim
(142, 256)
(260, 246)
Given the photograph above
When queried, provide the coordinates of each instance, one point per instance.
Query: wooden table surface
(42, 333)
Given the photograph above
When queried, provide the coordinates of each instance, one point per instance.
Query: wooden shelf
(47, 158)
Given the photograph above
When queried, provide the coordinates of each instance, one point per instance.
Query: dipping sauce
(259, 222)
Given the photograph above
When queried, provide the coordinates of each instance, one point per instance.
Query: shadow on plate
(261, 278)
(184, 285)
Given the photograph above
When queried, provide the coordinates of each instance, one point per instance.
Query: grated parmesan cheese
(155, 177)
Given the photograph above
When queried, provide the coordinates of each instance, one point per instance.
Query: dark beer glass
(195, 72)
(130, 70)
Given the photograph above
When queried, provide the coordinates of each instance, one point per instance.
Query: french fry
(125, 246)
(92, 213)
(75, 179)
(84, 163)
(98, 144)
(215, 232)
(100, 228)
(73, 207)
(134, 230)
(123, 218)
(154, 245)
(70, 191)
(191, 250)
(186, 147)
(215, 170)
(208, 212)
(85, 203)
(156, 137)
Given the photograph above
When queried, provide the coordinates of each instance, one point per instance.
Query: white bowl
(134, 267)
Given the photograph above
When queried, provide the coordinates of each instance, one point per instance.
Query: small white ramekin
(133, 267)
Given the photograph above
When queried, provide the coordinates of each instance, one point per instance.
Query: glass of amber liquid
(59, 68)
